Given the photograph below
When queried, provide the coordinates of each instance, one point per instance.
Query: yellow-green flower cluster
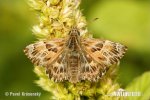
(56, 17)
(85, 90)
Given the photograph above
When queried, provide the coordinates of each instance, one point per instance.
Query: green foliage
(125, 21)
(140, 84)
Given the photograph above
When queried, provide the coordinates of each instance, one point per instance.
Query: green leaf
(140, 84)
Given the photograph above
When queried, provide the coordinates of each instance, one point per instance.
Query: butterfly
(75, 58)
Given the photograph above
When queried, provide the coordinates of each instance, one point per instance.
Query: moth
(75, 58)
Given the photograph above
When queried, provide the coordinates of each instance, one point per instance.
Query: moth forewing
(43, 53)
(104, 52)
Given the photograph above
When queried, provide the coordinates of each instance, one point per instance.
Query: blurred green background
(124, 21)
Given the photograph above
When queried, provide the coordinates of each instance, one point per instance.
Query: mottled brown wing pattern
(100, 55)
(57, 70)
(47, 54)
(91, 70)
(75, 59)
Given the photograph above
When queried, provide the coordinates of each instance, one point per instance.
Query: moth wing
(58, 69)
(43, 53)
(104, 52)
(90, 69)
(100, 54)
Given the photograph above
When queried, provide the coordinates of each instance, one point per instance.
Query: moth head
(74, 32)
